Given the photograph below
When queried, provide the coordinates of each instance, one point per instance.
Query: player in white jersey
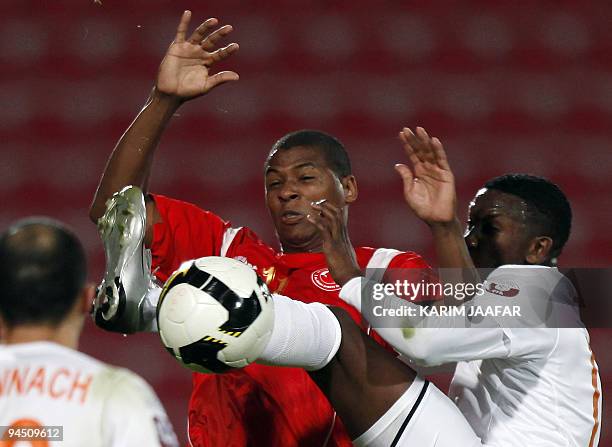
(47, 387)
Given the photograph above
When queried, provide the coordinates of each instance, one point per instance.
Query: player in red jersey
(260, 405)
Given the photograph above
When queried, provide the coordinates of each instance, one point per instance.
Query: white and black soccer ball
(215, 314)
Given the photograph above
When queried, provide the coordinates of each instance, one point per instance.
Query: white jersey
(516, 386)
(46, 384)
(546, 391)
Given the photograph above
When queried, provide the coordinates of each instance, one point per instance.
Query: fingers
(181, 31)
(221, 53)
(317, 223)
(327, 210)
(421, 148)
(202, 35)
(412, 156)
(208, 43)
(327, 218)
(221, 78)
(425, 145)
(440, 153)
(421, 143)
(200, 31)
(405, 173)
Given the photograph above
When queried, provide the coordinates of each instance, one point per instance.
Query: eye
(306, 178)
(273, 184)
(489, 228)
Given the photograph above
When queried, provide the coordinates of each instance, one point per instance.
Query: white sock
(351, 292)
(304, 335)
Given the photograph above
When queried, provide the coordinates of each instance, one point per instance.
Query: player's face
(497, 234)
(295, 178)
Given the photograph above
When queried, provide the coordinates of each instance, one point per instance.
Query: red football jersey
(259, 405)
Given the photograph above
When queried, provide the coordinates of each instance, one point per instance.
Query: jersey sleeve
(431, 340)
(132, 413)
(185, 232)
(430, 347)
(408, 260)
(411, 267)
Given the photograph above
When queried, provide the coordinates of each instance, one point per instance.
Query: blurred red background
(507, 88)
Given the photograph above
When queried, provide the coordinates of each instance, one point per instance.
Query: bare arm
(131, 160)
(183, 75)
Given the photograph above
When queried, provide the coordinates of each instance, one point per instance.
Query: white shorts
(423, 416)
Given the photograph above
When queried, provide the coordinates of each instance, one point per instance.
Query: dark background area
(507, 86)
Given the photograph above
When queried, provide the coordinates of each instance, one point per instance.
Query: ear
(539, 251)
(349, 186)
(86, 298)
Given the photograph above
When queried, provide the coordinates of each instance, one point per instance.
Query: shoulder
(168, 209)
(184, 213)
(529, 274)
(125, 394)
(244, 244)
(122, 384)
(525, 301)
(132, 415)
(530, 282)
(389, 258)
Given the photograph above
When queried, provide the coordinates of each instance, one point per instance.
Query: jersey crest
(324, 281)
(506, 288)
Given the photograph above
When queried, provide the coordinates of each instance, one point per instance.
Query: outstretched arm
(183, 75)
(429, 191)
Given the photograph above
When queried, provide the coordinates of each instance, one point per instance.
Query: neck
(66, 334)
(313, 245)
(286, 249)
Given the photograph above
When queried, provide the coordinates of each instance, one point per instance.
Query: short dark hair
(554, 213)
(42, 272)
(333, 150)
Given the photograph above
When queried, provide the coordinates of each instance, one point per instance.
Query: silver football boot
(127, 297)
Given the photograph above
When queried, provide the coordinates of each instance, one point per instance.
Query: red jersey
(259, 405)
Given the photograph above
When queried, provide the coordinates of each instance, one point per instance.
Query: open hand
(184, 71)
(429, 187)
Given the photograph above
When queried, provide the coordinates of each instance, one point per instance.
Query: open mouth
(291, 217)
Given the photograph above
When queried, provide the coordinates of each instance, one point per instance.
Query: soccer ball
(215, 314)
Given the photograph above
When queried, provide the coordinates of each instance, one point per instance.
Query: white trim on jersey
(188, 436)
(228, 238)
(381, 258)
